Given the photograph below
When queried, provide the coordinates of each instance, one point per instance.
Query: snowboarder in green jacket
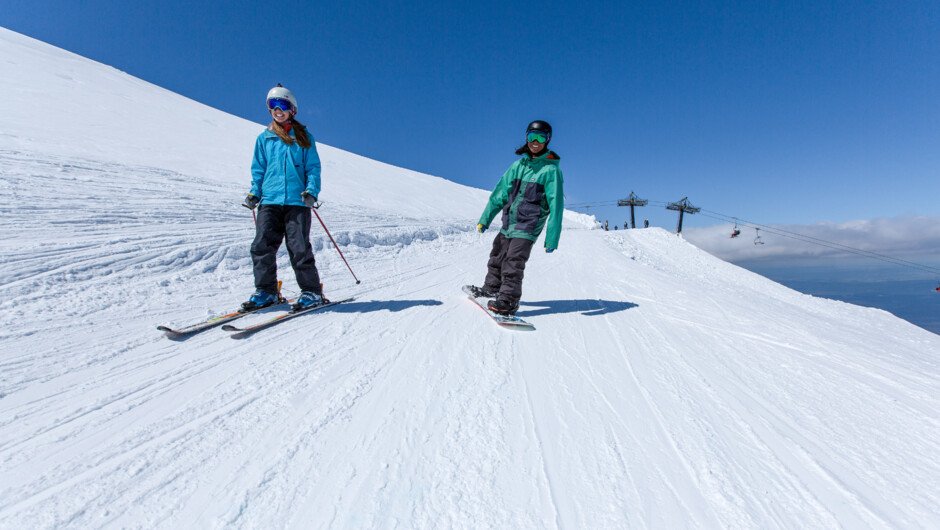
(530, 195)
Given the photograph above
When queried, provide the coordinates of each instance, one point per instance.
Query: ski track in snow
(662, 387)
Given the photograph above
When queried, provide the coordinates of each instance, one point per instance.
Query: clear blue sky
(773, 111)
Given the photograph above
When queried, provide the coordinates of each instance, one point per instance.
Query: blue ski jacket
(281, 172)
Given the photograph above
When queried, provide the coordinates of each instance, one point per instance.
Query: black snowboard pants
(275, 222)
(507, 266)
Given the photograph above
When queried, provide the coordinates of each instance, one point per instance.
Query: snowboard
(506, 321)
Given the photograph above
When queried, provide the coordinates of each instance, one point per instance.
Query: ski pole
(335, 245)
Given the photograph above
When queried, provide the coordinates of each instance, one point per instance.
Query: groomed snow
(662, 387)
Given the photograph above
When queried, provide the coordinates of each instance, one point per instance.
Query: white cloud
(899, 237)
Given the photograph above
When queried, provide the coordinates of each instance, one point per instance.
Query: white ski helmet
(280, 92)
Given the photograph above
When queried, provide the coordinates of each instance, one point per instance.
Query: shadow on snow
(585, 307)
(382, 305)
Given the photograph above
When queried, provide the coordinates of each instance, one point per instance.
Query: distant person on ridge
(529, 193)
(285, 182)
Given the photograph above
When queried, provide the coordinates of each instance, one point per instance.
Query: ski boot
(307, 300)
(502, 307)
(260, 299)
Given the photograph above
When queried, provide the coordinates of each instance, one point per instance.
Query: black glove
(309, 199)
(251, 202)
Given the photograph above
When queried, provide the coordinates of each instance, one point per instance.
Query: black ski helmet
(539, 125)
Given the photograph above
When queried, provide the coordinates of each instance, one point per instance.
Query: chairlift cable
(828, 244)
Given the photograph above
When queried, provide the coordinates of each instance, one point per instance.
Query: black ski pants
(506, 267)
(275, 222)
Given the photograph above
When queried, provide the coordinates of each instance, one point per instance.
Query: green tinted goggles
(535, 136)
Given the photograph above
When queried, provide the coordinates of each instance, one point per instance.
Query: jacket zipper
(285, 174)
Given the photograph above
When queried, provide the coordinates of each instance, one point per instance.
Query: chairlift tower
(682, 207)
(632, 201)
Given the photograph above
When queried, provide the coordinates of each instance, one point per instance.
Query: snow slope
(662, 387)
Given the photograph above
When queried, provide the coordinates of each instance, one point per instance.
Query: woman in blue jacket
(285, 183)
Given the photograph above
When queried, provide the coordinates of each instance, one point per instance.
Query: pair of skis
(223, 320)
(243, 332)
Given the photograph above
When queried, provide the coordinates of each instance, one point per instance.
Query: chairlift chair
(757, 240)
(735, 232)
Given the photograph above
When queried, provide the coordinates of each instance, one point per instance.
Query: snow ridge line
(392, 237)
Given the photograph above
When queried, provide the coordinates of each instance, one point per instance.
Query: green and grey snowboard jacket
(529, 193)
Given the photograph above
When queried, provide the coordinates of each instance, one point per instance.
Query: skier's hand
(251, 202)
(481, 228)
(309, 199)
(549, 250)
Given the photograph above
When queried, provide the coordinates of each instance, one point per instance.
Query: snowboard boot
(482, 292)
(502, 307)
(260, 299)
(307, 300)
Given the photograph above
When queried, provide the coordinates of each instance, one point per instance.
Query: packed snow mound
(579, 220)
(94, 113)
(661, 388)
